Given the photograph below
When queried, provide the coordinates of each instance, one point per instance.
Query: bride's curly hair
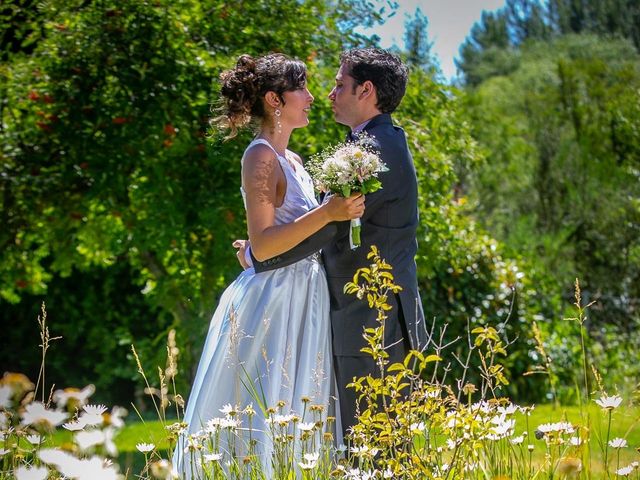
(244, 87)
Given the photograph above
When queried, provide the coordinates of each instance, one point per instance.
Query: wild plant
(28, 426)
(414, 421)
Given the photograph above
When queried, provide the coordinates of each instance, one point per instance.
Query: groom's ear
(368, 89)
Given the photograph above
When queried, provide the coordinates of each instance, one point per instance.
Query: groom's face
(344, 99)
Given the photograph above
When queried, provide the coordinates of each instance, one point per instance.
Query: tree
(107, 159)
(527, 20)
(559, 186)
(112, 185)
(417, 44)
(487, 50)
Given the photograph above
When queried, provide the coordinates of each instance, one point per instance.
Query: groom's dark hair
(382, 68)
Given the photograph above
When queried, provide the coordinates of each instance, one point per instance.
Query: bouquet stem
(354, 233)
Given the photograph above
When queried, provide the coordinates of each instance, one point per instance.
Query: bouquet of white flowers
(345, 168)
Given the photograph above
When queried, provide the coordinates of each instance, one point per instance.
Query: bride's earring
(277, 114)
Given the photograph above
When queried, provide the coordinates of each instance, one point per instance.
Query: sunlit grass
(137, 432)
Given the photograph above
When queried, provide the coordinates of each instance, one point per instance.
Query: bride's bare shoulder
(259, 166)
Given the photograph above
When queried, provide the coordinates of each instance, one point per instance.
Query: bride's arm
(261, 173)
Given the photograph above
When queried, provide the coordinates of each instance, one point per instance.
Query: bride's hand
(340, 208)
(242, 246)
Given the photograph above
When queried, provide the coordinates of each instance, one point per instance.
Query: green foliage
(491, 49)
(464, 277)
(560, 184)
(412, 422)
(108, 165)
(485, 52)
(101, 313)
(107, 160)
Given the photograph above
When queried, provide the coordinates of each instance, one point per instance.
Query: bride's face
(295, 111)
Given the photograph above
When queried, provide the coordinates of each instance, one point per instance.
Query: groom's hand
(242, 246)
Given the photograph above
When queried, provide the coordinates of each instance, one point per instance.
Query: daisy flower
(37, 413)
(618, 443)
(609, 402)
(145, 447)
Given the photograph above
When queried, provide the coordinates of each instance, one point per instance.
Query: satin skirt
(269, 336)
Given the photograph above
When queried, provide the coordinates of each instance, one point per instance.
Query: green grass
(142, 432)
(624, 424)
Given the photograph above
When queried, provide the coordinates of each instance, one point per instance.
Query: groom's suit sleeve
(308, 246)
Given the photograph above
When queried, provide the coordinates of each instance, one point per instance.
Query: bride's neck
(279, 141)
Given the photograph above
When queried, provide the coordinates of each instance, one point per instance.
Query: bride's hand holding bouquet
(348, 168)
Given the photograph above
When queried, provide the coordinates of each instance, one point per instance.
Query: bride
(269, 341)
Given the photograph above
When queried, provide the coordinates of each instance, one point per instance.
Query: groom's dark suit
(389, 222)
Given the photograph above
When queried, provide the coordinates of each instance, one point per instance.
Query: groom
(368, 87)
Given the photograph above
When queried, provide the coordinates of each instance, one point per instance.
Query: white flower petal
(36, 412)
(145, 447)
(618, 443)
(95, 409)
(34, 473)
(74, 426)
(91, 419)
(5, 396)
(89, 438)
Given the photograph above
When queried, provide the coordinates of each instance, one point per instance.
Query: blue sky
(450, 21)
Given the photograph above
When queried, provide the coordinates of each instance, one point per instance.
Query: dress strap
(285, 163)
(263, 142)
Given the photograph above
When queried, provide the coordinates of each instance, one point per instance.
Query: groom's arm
(308, 246)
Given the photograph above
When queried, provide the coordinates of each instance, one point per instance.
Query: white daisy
(145, 447)
(36, 412)
(74, 426)
(618, 443)
(117, 417)
(306, 427)
(556, 427)
(92, 415)
(609, 402)
(94, 409)
(62, 397)
(310, 461)
(90, 438)
(575, 441)
(509, 409)
(625, 471)
(212, 457)
(34, 473)
(34, 439)
(229, 423)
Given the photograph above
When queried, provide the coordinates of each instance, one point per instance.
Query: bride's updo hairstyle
(244, 87)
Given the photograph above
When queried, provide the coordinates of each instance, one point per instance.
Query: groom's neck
(364, 117)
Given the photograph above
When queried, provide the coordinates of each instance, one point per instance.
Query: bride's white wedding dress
(271, 330)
